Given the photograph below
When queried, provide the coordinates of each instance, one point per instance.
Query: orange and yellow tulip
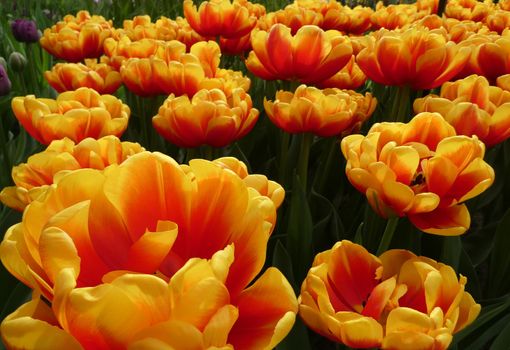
(396, 15)
(207, 118)
(33, 177)
(312, 55)
(193, 217)
(468, 9)
(141, 27)
(414, 57)
(363, 301)
(193, 310)
(350, 77)
(230, 19)
(498, 20)
(504, 5)
(76, 38)
(350, 21)
(74, 114)
(325, 113)
(490, 56)
(186, 34)
(472, 107)
(421, 170)
(504, 82)
(292, 16)
(99, 76)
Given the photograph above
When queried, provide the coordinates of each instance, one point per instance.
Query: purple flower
(25, 30)
(5, 83)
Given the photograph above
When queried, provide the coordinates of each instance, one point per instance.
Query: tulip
(186, 34)
(221, 17)
(74, 114)
(498, 20)
(325, 113)
(363, 301)
(141, 27)
(421, 170)
(468, 9)
(99, 76)
(192, 217)
(76, 38)
(504, 82)
(350, 77)
(17, 61)
(312, 55)
(33, 177)
(343, 18)
(25, 30)
(293, 17)
(396, 16)
(5, 82)
(415, 57)
(472, 107)
(490, 56)
(194, 310)
(208, 118)
(504, 5)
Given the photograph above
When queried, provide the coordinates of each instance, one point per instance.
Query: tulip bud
(3, 62)
(5, 83)
(17, 61)
(25, 30)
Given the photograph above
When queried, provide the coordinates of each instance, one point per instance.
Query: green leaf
(299, 231)
(499, 272)
(451, 251)
(281, 260)
(297, 338)
(502, 340)
(481, 340)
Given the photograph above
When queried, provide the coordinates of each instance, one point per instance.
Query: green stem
(325, 169)
(391, 225)
(401, 104)
(5, 152)
(304, 155)
(208, 152)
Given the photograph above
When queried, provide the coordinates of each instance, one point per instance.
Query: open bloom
(498, 20)
(74, 114)
(312, 55)
(76, 38)
(414, 57)
(209, 117)
(421, 170)
(345, 19)
(468, 9)
(194, 310)
(230, 19)
(141, 27)
(350, 77)
(396, 15)
(99, 76)
(490, 56)
(472, 107)
(292, 16)
(33, 177)
(327, 112)
(142, 235)
(395, 301)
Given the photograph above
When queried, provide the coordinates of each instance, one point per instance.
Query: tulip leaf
(503, 339)
(281, 260)
(451, 251)
(328, 226)
(467, 269)
(499, 273)
(299, 231)
(297, 338)
(480, 340)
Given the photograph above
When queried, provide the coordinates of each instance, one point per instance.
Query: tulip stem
(304, 155)
(5, 152)
(324, 172)
(391, 225)
(400, 109)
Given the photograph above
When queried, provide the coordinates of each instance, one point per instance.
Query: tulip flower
(498, 20)
(76, 38)
(186, 34)
(490, 56)
(343, 18)
(207, 118)
(421, 170)
(504, 82)
(159, 215)
(33, 177)
(415, 57)
(472, 107)
(291, 16)
(396, 15)
(310, 56)
(350, 77)
(193, 310)
(99, 76)
(230, 19)
(468, 9)
(74, 114)
(17, 61)
(363, 301)
(5, 82)
(25, 30)
(141, 27)
(504, 5)
(325, 113)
